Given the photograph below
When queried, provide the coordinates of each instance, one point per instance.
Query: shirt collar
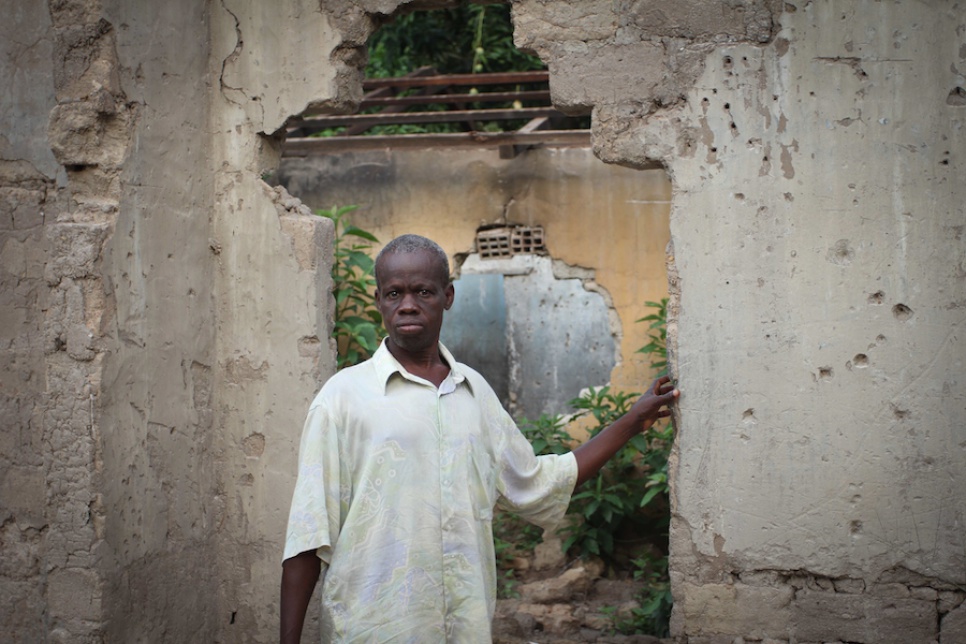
(386, 365)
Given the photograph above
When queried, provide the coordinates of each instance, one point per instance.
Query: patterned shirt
(396, 487)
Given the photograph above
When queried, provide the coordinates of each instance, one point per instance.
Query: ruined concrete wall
(27, 192)
(155, 482)
(538, 317)
(817, 222)
(145, 476)
(115, 318)
(610, 220)
(269, 61)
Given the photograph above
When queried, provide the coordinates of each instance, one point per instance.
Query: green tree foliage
(463, 40)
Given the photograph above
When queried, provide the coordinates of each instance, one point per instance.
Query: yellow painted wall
(611, 219)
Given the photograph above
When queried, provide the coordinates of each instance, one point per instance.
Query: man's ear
(450, 293)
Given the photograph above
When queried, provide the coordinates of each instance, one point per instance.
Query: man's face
(412, 295)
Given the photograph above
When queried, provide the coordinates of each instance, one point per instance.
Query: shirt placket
(448, 505)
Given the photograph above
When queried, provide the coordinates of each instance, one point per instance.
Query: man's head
(412, 291)
(412, 244)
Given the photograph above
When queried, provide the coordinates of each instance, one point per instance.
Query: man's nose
(408, 302)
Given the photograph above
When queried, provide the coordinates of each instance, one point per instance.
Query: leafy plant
(546, 434)
(661, 435)
(657, 347)
(630, 489)
(506, 579)
(653, 614)
(614, 495)
(358, 323)
(512, 537)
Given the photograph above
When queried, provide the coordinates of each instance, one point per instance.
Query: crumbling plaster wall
(27, 171)
(272, 286)
(165, 316)
(121, 484)
(816, 151)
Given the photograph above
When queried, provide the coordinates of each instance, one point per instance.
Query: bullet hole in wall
(901, 312)
(956, 97)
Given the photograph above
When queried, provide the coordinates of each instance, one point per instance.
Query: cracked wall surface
(165, 318)
(818, 294)
(27, 190)
(140, 497)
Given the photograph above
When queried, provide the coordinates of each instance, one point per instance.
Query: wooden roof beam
(333, 144)
(369, 120)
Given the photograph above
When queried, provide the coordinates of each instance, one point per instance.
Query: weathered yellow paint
(611, 219)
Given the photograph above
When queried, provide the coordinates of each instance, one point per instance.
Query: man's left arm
(651, 406)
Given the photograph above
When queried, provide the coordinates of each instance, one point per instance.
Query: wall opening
(541, 324)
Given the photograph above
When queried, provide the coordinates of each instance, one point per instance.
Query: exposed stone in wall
(788, 606)
(89, 133)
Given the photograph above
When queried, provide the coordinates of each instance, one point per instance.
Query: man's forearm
(299, 576)
(592, 455)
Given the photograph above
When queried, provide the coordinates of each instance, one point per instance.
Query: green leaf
(358, 232)
(342, 210)
(649, 496)
(614, 500)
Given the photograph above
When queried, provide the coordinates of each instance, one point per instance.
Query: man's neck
(427, 364)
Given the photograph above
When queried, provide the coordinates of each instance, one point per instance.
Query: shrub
(358, 323)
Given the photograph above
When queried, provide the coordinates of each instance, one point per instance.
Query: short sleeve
(315, 517)
(538, 488)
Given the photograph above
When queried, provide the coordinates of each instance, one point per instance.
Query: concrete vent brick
(510, 240)
(525, 239)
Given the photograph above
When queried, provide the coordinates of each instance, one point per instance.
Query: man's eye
(424, 292)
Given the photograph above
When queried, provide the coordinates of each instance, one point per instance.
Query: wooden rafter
(393, 100)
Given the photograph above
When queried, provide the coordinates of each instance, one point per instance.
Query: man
(402, 460)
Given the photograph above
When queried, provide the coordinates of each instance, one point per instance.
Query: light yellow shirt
(396, 487)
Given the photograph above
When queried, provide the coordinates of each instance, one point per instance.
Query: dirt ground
(555, 599)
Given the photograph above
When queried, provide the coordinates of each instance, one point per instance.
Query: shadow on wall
(538, 338)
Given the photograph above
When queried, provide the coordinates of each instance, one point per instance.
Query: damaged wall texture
(165, 316)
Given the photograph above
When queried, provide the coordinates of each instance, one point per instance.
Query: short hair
(414, 243)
